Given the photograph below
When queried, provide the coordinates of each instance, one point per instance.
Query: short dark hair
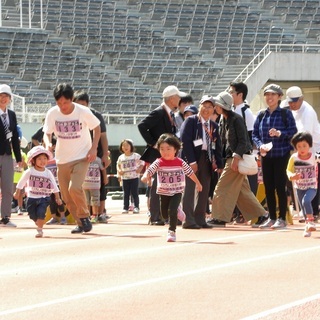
(171, 140)
(81, 95)
(240, 87)
(302, 136)
(63, 90)
(186, 99)
(127, 141)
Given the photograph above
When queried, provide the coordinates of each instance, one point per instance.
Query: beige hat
(172, 91)
(224, 100)
(294, 94)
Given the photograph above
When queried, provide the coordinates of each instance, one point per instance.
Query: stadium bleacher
(125, 52)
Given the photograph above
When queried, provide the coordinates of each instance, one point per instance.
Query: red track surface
(126, 270)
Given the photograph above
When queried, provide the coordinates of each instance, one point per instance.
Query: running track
(126, 270)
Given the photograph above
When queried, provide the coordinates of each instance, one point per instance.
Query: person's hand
(92, 154)
(234, 163)
(199, 187)
(295, 176)
(274, 132)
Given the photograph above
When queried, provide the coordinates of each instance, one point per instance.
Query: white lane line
(95, 257)
(282, 308)
(156, 280)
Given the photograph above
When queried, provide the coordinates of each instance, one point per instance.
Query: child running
(129, 167)
(40, 183)
(171, 171)
(302, 170)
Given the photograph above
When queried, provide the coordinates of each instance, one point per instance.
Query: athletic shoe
(268, 224)
(279, 224)
(5, 222)
(20, 212)
(63, 221)
(86, 224)
(181, 214)
(310, 226)
(103, 218)
(39, 233)
(77, 229)
(171, 236)
(15, 209)
(53, 221)
(216, 223)
(131, 207)
(136, 210)
(260, 221)
(306, 233)
(94, 219)
(125, 211)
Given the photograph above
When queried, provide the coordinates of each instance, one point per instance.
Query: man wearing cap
(9, 141)
(190, 111)
(233, 187)
(306, 120)
(202, 151)
(159, 121)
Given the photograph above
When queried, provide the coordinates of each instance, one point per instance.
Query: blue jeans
(305, 198)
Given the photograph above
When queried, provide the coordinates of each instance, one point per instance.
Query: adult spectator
(37, 137)
(159, 121)
(189, 111)
(9, 141)
(233, 187)
(201, 149)
(239, 91)
(82, 97)
(179, 114)
(71, 122)
(274, 126)
(306, 120)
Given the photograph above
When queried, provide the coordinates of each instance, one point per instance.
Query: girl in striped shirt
(171, 171)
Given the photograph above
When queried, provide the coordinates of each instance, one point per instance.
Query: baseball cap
(207, 98)
(35, 151)
(4, 88)
(191, 108)
(224, 100)
(274, 88)
(172, 91)
(293, 94)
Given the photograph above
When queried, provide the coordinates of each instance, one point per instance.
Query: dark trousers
(169, 209)
(274, 179)
(195, 210)
(154, 201)
(130, 186)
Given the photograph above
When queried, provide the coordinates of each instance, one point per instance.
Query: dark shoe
(157, 223)
(206, 226)
(260, 221)
(302, 220)
(86, 224)
(191, 226)
(77, 229)
(216, 223)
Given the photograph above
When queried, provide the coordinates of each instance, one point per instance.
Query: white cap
(293, 94)
(4, 88)
(172, 91)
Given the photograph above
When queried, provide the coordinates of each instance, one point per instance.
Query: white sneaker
(5, 222)
(15, 209)
(20, 212)
(306, 233)
(125, 211)
(171, 236)
(136, 210)
(310, 226)
(268, 224)
(39, 233)
(279, 224)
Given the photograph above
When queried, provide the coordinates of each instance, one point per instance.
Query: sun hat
(172, 91)
(273, 88)
(294, 94)
(224, 100)
(35, 151)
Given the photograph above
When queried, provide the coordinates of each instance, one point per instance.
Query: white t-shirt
(250, 117)
(92, 181)
(39, 184)
(72, 132)
(129, 165)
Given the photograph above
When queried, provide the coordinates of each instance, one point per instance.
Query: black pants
(169, 209)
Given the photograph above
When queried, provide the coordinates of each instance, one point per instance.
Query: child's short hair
(301, 136)
(171, 140)
(129, 141)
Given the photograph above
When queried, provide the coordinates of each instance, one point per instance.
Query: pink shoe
(181, 214)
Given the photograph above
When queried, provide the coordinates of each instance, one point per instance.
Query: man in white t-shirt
(71, 124)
